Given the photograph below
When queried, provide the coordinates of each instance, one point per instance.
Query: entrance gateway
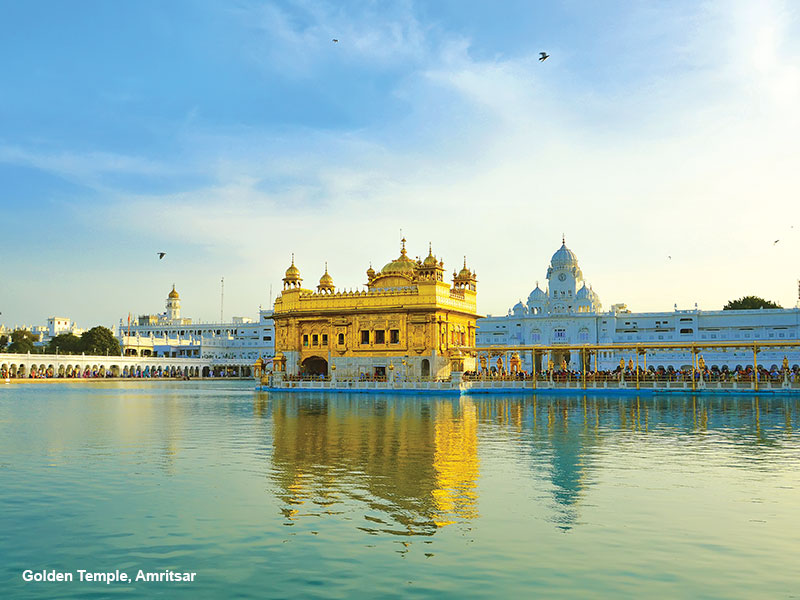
(314, 365)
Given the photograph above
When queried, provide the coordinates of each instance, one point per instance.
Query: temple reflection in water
(415, 461)
(413, 464)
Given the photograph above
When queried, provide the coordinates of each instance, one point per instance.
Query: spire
(403, 247)
(563, 242)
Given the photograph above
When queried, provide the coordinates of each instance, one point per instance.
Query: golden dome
(465, 273)
(370, 272)
(173, 293)
(292, 279)
(430, 260)
(401, 265)
(292, 271)
(326, 280)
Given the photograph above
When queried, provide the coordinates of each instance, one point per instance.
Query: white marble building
(239, 342)
(569, 312)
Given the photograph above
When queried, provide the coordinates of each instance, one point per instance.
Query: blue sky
(230, 134)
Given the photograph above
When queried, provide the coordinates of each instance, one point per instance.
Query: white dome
(537, 296)
(519, 308)
(564, 257)
(584, 293)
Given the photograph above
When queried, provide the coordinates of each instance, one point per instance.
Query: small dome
(430, 260)
(326, 279)
(173, 293)
(584, 293)
(464, 273)
(537, 295)
(519, 308)
(564, 257)
(370, 272)
(292, 278)
(292, 271)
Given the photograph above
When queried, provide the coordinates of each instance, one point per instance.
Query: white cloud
(497, 158)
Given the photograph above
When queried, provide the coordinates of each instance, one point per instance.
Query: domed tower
(326, 283)
(173, 305)
(563, 277)
(431, 269)
(537, 300)
(465, 279)
(292, 278)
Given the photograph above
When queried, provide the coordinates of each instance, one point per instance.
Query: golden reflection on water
(414, 465)
(414, 462)
(456, 462)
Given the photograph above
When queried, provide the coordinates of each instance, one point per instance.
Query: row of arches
(70, 371)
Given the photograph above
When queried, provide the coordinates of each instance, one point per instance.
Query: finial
(326, 266)
(403, 247)
(562, 240)
(292, 257)
(430, 249)
(465, 261)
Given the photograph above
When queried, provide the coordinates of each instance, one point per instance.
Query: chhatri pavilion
(408, 323)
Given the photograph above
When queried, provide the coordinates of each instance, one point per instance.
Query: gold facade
(408, 324)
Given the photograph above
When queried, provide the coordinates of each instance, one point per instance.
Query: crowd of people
(660, 374)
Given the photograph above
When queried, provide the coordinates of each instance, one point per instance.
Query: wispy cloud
(689, 152)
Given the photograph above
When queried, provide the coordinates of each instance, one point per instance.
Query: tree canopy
(100, 340)
(750, 303)
(22, 341)
(65, 343)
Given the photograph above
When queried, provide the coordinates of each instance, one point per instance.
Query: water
(302, 496)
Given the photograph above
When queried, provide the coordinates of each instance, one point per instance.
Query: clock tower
(563, 277)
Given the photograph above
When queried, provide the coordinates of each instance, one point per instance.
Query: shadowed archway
(314, 365)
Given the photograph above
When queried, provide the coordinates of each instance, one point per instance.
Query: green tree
(750, 303)
(3, 342)
(22, 341)
(65, 343)
(100, 340)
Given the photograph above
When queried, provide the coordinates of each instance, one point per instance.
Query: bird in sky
(775, 242)
(543, 56)
(335, 41)
(669, 257)
(161, 255)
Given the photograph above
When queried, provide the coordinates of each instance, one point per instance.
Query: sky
(232, 134)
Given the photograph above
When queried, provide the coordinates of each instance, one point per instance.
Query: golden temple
(408, 323)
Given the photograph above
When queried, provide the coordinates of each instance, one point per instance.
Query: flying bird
(543, 56)
(775, 242)
(669, 257)
(335, 41)
(161, 255)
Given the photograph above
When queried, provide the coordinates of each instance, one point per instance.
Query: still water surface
(298, 496)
